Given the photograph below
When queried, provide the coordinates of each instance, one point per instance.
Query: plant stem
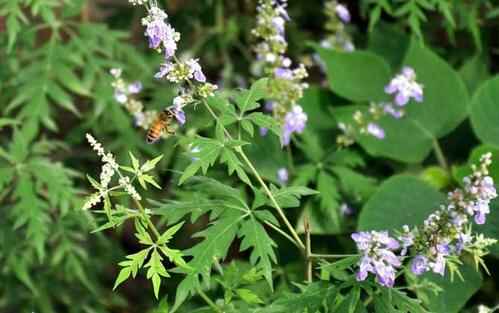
(208, 300)
(148, 219)
(440, 155)
(308, 251)
(280, 231)
(330, 256)
(291, 164)
(240, 151)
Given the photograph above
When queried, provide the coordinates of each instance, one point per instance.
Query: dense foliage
(310, 157)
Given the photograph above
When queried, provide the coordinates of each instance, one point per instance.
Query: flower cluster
(337, 17)
(442, 238)
(109, 169)
(188, 73)
(286, 85)
(448, 230)
(377, 256)
(125, 94)
(404, 87)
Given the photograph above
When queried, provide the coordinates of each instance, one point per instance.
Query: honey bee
(160, 124)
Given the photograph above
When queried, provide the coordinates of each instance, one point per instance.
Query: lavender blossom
(405, 87)
(343, 13)
(377, 256)
(419, 265)
(346, 210)
(375, 130)
(294, 122)
(282, 175)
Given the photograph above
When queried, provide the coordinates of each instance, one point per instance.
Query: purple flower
(405, 87)
(389, 109)
(159, 33)
(375, 130)
(283, 73)
(407, 239)
(196, 70)
(120, 96)
(269, 106)
(419, 265)
(342, 13)
(378, 257)
(164, 69)
(178, 103)
(346, 210)
(282, 175)
(294, 122)
(438, 266)
(135, 87)
(263, 131)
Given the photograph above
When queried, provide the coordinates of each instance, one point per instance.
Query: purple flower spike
(135, 87)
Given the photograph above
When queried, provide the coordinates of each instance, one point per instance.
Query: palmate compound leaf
(217, 239)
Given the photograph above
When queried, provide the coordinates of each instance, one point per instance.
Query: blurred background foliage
(55, 86)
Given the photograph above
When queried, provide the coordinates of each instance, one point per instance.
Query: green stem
(440, 155)
(208, 300)
(240, 151)
(308, 251)
(291, 164)
(283, 233)
(331, 256)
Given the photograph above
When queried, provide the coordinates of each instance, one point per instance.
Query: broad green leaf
(474, 72)
(405, 199)
(356, 76)
(445, 100)
(389, 42)
(484, 112)
(315, 103)
(455, 293)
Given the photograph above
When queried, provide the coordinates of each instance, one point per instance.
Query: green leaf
(484, 113)
(131, 266)
(248, 296)
(246, 100)
(234, 164)
(156, 271)
(310, 299)
(135, 161)
(347, 71)
(405, 199)
(168, 234)
(389, 42)
(262, 256)
(208, 152)
(289, 197)
(474, 72)
(217, 239)
(265, 121)
(436, 176)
